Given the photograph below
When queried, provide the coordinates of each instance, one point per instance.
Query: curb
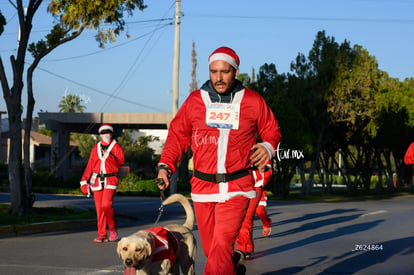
(19, 229)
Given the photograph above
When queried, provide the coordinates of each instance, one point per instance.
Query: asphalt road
(364, 237)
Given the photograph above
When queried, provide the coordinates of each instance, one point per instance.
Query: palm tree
(71, 103)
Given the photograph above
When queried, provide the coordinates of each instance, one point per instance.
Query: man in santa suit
(100, 177)
(219, 122)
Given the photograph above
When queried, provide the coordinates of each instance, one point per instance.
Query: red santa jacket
(409, 155)
(220, 150)
(101, 171)
(166, 245)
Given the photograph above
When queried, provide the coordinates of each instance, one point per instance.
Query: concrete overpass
(62, 124)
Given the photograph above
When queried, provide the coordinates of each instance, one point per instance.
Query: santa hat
(105, 128)
(225, 54)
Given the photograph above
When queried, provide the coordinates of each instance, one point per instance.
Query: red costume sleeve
(88, 170)
(178, 139)
(118, 153)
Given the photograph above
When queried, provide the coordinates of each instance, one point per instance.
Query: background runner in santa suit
(219, 121)
(100, 176)
(261, 209)
(409, 157)
(244, 242)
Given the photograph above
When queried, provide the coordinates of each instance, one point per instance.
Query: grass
(47, 214)
(43, 214)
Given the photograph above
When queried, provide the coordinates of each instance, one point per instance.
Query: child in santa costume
(100, 177)
(244, 242)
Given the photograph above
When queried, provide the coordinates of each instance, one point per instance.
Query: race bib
(223, 115)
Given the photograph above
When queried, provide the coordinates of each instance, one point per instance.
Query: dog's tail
(189, 221)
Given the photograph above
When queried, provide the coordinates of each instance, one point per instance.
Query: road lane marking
(374, 213)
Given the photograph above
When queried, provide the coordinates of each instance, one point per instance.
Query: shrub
(133, 183)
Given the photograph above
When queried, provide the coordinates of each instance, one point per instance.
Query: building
(40, 147)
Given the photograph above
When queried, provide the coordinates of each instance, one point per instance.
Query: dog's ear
(148, 247)
(119, 247)
(150, 243)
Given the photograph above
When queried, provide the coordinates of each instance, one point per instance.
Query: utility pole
(176, 64)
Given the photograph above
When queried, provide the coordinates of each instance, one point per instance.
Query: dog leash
(160, 182)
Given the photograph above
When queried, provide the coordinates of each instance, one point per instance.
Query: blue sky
(135, 74)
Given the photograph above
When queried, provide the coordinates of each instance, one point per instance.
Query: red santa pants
(262, 214)
(104, 210)
(218, 225)
(244, 242)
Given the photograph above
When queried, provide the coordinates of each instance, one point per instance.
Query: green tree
(315, 74)
(73, 17)
(194, 81)
(143, 141)
(352, 97)
(280, 93)
(353, 108)
(244, 78)
(338, 101)
(85, 143)
(2, 23)
(351, 104)
(138, 154)
(71, 103)
(395, 102)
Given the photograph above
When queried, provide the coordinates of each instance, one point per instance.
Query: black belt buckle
(102, 177)
(221, 178)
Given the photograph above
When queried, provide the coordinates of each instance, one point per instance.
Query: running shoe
(100, 239)
(113, 236)
(266, 231)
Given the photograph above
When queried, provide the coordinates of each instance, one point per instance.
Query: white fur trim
(269, 149)
(224, 57)
(263, 203)
(106, 127)
(221, 197)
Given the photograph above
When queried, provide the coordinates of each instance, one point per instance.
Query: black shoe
(241, 269)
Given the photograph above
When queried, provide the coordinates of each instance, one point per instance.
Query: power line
(301, 18)
(135, 64)
(101, 92)
(108, 49)
(47, 29)
(150, 21)
(129, 73)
